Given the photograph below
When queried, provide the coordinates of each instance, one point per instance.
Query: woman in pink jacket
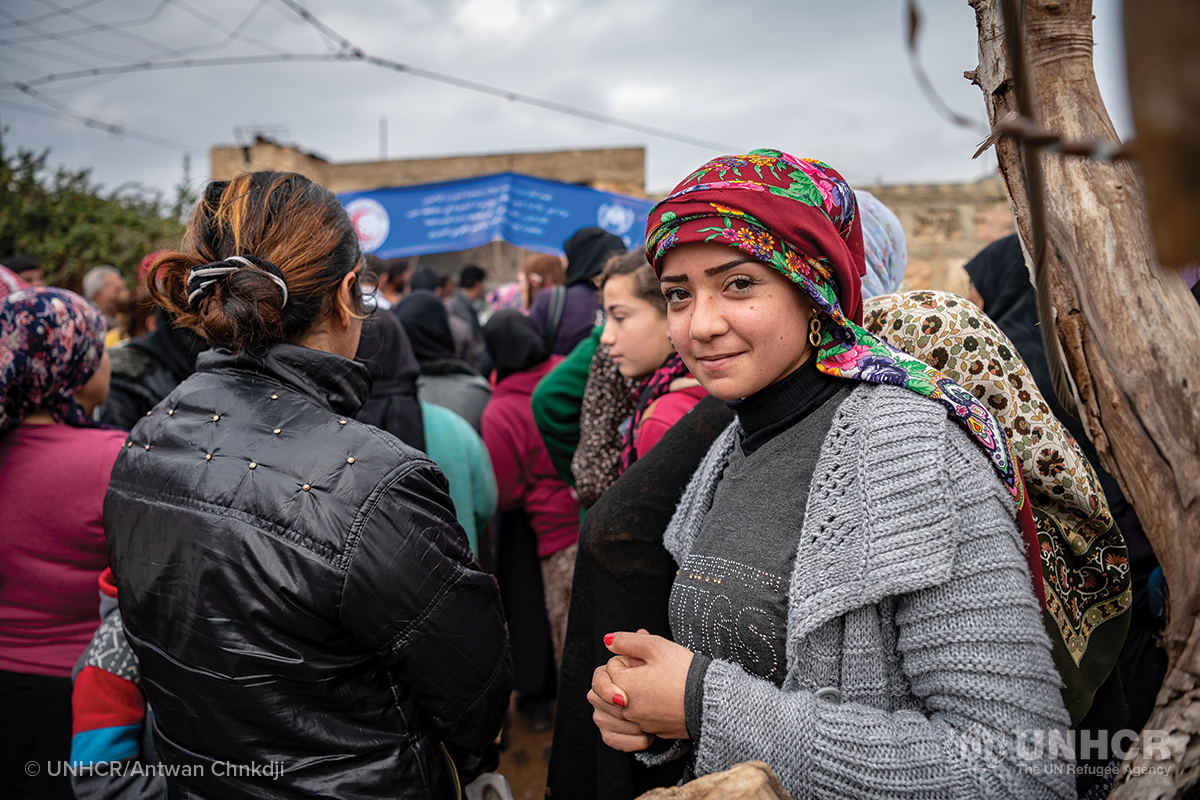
(525, 477)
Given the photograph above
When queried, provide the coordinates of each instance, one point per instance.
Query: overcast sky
(819, 79)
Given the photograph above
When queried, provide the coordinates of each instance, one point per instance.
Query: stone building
(621, 170)
(945, 224)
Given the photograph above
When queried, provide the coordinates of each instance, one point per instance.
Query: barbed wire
(49, 36)
(1026, 130)
(1033, 140)
(232, 34)
(1021, 127)
(1035, 192)
(185, 63)
(926, 86)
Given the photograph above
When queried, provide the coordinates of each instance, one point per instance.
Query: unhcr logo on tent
(615, 218)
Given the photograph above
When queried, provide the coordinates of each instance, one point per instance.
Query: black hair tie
(201, 279)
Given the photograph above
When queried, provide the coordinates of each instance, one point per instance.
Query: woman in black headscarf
(445, 380)
(579, 310)
(388, 356)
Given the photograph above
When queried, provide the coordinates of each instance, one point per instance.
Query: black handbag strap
(554, 314)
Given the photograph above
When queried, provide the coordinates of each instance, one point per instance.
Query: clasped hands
(639, 693)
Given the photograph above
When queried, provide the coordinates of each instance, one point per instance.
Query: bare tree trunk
(1131, 335)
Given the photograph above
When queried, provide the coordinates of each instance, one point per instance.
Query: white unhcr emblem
(615, 218)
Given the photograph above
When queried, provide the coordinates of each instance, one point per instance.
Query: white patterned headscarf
(885, 246)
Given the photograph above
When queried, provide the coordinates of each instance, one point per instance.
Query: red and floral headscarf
(51, 342)
(800, 217)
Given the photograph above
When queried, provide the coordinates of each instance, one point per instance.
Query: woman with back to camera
(853, 604)
(294, 583)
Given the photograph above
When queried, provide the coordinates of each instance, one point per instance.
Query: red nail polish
(608, 638)
(618, 700)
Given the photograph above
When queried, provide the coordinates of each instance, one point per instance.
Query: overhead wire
(86, 29)
(356, 53)
(232, 34)
(46, 16)
(341, 49)
(63, 111)
(120, 31)
(50, 36)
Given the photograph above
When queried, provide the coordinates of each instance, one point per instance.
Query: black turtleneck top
(766, 414)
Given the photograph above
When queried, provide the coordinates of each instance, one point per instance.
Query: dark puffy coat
(297, 590)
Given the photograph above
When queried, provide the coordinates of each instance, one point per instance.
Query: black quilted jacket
(297, 590)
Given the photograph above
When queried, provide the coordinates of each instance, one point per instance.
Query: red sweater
(662, 414)
(52, 546)
(525, 477)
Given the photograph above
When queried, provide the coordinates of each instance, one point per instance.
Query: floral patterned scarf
(800, 217)
(51, 342)
(645, 393)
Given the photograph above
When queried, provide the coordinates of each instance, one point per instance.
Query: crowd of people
(304, 524)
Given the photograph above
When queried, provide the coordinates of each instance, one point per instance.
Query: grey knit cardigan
(911, 597)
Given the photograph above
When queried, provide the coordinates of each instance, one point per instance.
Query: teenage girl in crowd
(853, 604)
(635, 331)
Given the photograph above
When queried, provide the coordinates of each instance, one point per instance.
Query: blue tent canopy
(528, 212)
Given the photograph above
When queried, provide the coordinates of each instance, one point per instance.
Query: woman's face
(635, 330)
(739, 325)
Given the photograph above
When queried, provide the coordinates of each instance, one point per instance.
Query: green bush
(70, 224)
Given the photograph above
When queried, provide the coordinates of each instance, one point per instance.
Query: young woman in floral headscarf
(854, 604)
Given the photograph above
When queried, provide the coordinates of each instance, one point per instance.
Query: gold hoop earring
(814, 331)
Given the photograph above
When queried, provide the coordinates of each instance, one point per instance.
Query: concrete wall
(619, 170)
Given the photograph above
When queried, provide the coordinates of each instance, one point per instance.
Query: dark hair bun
(281, 230)
(243, 310)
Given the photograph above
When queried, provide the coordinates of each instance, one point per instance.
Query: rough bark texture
(750, 780)
(1131, 334)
